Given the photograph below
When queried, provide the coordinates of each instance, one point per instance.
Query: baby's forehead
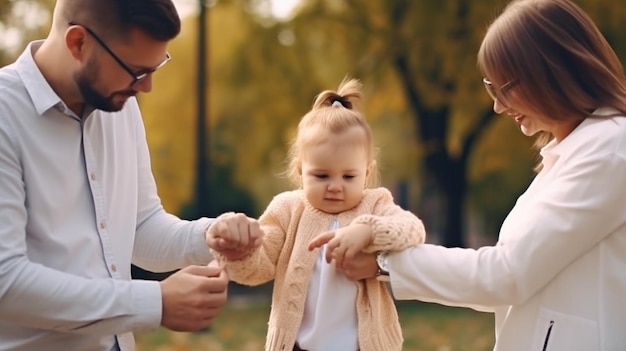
(335, 149)
(323, 134)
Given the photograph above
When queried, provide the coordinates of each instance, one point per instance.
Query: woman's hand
(361, 266)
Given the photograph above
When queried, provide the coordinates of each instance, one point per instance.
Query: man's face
(114, 73)
(90, 88)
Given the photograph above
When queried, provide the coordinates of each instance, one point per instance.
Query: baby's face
(334, 173)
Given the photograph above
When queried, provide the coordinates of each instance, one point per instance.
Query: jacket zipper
(545, 342)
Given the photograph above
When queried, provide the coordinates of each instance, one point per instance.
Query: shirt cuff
(199, 248)
(148, 303)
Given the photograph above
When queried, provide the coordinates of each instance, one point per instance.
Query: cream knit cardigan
(290, 222)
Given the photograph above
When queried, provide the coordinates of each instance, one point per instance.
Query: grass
(241, 326)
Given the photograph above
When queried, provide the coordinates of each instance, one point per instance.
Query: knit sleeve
(260, 265)
(393, 228)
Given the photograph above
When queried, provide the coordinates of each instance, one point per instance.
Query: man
(78, 202)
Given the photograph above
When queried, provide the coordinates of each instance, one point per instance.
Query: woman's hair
(563, 66)
(112, 19)
(332, 113)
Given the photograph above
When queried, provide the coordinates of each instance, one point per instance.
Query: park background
(223, 111)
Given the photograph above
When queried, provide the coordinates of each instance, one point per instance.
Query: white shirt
(78, 203)
(330, 318)
(556, 279)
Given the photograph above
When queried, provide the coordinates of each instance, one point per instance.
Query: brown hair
(563, 65)
(332, 113)
(112, 19)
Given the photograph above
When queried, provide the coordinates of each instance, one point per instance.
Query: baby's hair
(332, 113)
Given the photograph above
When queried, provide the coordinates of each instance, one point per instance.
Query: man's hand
(344, 243)
(234, 235)
(192, 297)
(361, 266)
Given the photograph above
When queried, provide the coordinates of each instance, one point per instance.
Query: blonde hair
(563, 66)
(332, 113)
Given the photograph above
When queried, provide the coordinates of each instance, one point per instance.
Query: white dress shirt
(330, 317)
(78, 204)
(556, 279)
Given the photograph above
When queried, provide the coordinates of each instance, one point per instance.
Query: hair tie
(337, 103)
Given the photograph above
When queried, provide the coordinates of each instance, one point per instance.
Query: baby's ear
(370, 168)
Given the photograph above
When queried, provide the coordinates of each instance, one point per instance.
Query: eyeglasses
(137, 75)
(494, 92)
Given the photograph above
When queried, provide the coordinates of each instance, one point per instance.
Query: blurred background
(223, 111)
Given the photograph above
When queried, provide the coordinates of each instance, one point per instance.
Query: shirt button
(113, 268)
(93, 176)
(102, 225)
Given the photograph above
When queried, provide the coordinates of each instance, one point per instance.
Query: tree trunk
(444, 177)
(455, 190)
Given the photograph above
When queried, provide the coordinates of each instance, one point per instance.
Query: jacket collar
(554, 150)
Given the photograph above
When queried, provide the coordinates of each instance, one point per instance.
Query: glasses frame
(494, 92)
(136, 77)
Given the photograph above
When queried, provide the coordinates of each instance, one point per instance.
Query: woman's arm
(559, 224)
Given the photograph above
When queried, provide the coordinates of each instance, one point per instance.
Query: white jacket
(556, 279)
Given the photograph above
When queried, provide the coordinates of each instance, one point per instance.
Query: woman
(556, 279)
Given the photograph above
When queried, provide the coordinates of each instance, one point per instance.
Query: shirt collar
(553, 150)
(39, 90)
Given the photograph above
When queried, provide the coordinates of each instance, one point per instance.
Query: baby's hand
(344, 243)
(234, 235)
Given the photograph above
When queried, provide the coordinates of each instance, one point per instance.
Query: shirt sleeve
(563, 221)
(393, 227)
(37, 296)
(163, 242)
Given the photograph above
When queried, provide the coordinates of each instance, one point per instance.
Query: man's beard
(85, 80)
